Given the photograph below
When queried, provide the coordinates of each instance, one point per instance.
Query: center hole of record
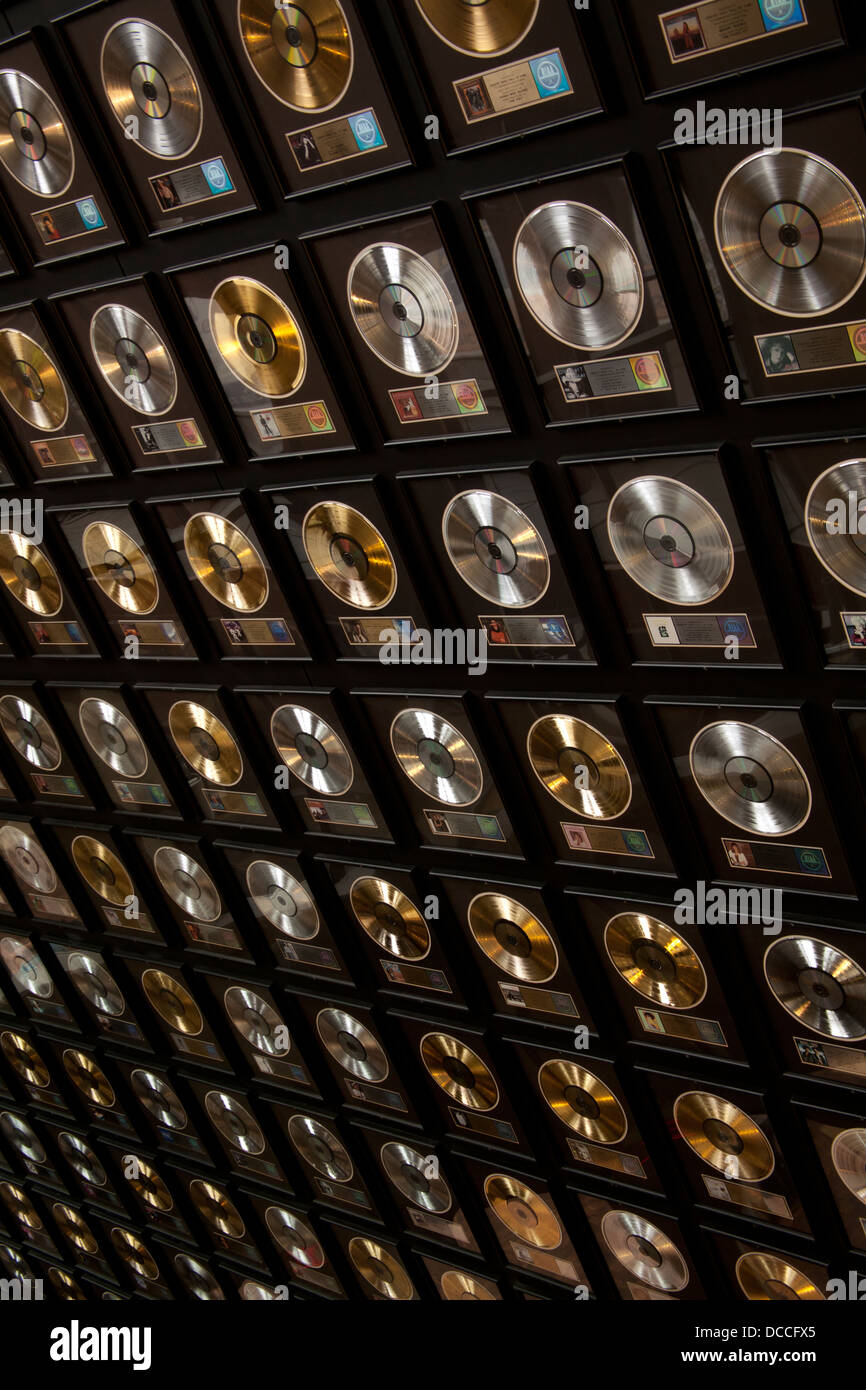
(495, 550)
(321, 1151)
(28, 379)
(256, 1022)
(381, 1272)
(349, 556)
(576, 277)
(570, 761)
(169, 1004)
(414, 1178)
(821, 989)
(520, 1213)
(352, 1046)
(669, 542)
(234, 1124)
(781, 1292)
(512, 938)
(294, 36)
(791, 235)
(186, 884)
(401, 311)
(581, 1102)
(112, 738)
(132, 360)
(749, 779)
(204, 744)
(458, 1072)
(27, 573)
(311, 751)
(28, 733)
(653, 960)
(435, 758)
(257, 339)
(225, 563)
(644, 1250)
(121, 570)
(28, 134)
(101, 870)
(723, 1136)
(150, 90)
(282, 900)
(27, 862)
(388, 916)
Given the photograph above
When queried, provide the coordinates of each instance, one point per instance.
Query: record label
(68, 221)
(513, 87)
(709, 27)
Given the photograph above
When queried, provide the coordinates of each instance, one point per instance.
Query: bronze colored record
(840, 549)
(31, 382)
(724, 1136)
(134, 361)
(27, 859)
(257, 1022)
(481, 29)
(234, 1122)
(848, 1153)
(82, 1159)
(134, 1253)
(655, 960)
(312, 750)
(151, 88)
(159, 1100)
(522, 1211)
(403, 310)
(645, 1251)
(352, 1045)
(436, 757)
(30, 734)
(87, 1076)
(320, 1148)
(459, 1287)
(409, 1172)
(102, 870)
(349, 555)
(670, 541)
(95, 984)
(282, 900)
(217, 1209)
(766, 1278)
(25, 967)
(301, 53)
(65, 1286)
(25, 1060)
(205, 743)
(113, 737)
(22, 1138)
(173, 1002)
(582, 1101)
(459, 1072)
(226, 563)
(29, 575)
(750, 779)
(187, 883)
(819, 986)
(120, 568)
(577, 765)
(512, 938)
(495, 549)
(295, 1237)
(75, 1229)
(258, 337)
(390, 918)
(21, 1207)
(382, 1270)
(197, 1278)
(35, 147)
(149, 1186)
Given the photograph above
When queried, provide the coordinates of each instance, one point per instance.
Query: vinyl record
(436, 758)
(750, 779)
(819, 986)
(225, 562)
(320, 1148)
(582, 1101)
(670, 541)
(87, 1076)
(577, 765)
(312, 750)
(113, 737)
(149, 1186)
(27, 859)
(349, 555)
(197, 1279)
(25, 967)
(65, 1286)
(257, 1021)
(841, 551)
(257, 336)
(379, 1268)
(301, 53)
(82, 1159)
(30, 734)
(295, 1238)
(133, 359)
(205, 743)
(29, 575)
(21, 1208)
(523, 1212)
(134, 1254)
(234, 1122)
(458, 1287)
(403, 309)
(645, 1251)
(282, 900)
(251, 1291)
(35, 146)
(102, 871)
(655, 960)
(848, 1153)
(151, 89)
(724, 1136)
(495, 549)
(74, 1228)
(768, 1278)
(352, 1045)
(217, 1209)
(512, 938)
(390, 918)
(187, 884)
(459, 1072)
(791, 232)
(578, 276)
(31, 382)
(25, 1060)
(173, 1002)
(95, 984)
(159, 1100)
(410, 1173)
(18, 1134)
(481, 30)
(120, 568)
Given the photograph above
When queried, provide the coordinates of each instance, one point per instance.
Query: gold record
(120, 568)
(134, 1253)
(22, 1209)
(390, 918)
(579, 767)
(349, 555)
(217, 1209)
(30, 382)
(768, 1278)
(487, 29)
(848, 1153)
(524, 1213)
(258, 337)
(381, 1269)
(655, 960)
(74, 1228)
(25, 1060)
(458, 1287)
(205, 743)
(173, 1002)
(102, 870)
(29, 575)
(724, 1136)
(459, 1072)
(302, 54)
(65, 1286)
(150, 1187)
(512, 938)
(225, 562)
(581, 1101)
(87, 1075)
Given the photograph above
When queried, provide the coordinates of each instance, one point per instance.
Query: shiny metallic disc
(26, 858)
(459, 1072)
(205, 743)
(349, 555)
(670, 541)
(159, 1100)
(257, 1022)
(301, 53)
(769, 1278)
(25, 1060)
(113, 737)
(25, 968)
(848, 1153)
(579, 767)
(523, 1211)
(258, 337)
(31, 382)
(582, 1101)
(495, 549)
(120, 568)
(101, 869)
(750, 779)
(390, 918)
(150, 1188)
(352, 1045)
(148, 78)
(133, 359)
(512, 938)
(226, 563)
(819, 986)
(187, 883)
(379, 1268)
(403, 309)
(21, 1208)
(320, 1148)
(87, 1076)
(95, 984)
(408, 1171)
(82, 1159)
(645, 1251)
(479, 27)
(234, 1122)
(173, 1002)
(841, 551)
(578, 276)
(74, 1228)
(134, 1253)
(29, 575)
(35, 147)
(198, 1280)
(64, 1286)
(458, 1287)
(22, 1138)
(295, 1237)
(311, 750)
(282, 900)
(436, 758)
(217, 1209)
(655, 960)
(30, 734)
(724, 1136)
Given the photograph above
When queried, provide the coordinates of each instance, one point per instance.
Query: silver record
(848, 1153)
(82, 1159)
(282, 900)
(312, 751)
(670, 540)
(352, 1045)
(578, 276)
(234, 1122)
(403, 309)
(645, 1251)
(146, 76)
(197, 1279)
(27, 859)
(495, 549)
(295, 1237)
(187, 884)
(320, 1148)
(35, 146)
(133, 359)
(818, 985)
(30, 734)
(94, 983)
(159, 1100)
(22, 1138)
(407, 1170)
(113, 737)
(255, 1020)
(791, 231)
(841, 552)
(26, 968)
(750, 779)
(436, 758)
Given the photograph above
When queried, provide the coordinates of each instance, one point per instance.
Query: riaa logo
(780, 11)
(549, 74)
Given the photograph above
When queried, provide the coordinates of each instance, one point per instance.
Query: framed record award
(108, 732)
(190, 892)
(46, 613)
